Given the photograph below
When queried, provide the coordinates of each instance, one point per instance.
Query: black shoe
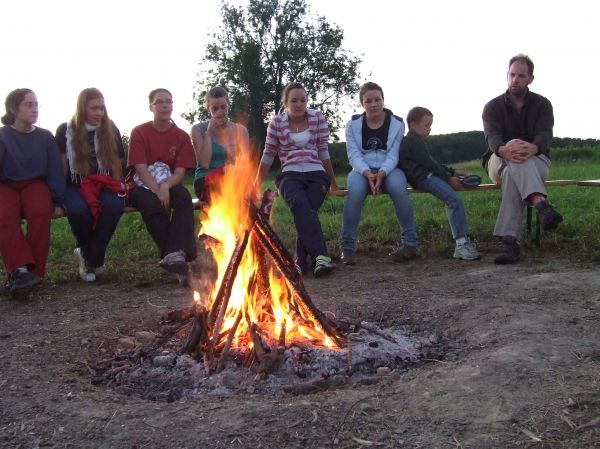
(347, 257)
(404, 254)
(511, 252)
(547, 215)
(21, 283)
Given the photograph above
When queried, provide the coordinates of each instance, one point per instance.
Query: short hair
(217, 92)
(369, 85)
(13, 100)
(155, 91)
(286, 91)
(522, 57)
(416, 114)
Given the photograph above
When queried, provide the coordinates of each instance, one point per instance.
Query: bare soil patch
(523, 366)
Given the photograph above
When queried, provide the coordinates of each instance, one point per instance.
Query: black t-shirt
(376, 139)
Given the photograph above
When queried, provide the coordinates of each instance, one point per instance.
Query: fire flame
(267, 303)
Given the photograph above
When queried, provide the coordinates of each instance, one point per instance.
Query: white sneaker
(466, 251)
(84, 273)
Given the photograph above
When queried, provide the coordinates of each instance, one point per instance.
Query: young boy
(423, 173)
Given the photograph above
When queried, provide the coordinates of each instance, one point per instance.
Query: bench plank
(589, 183)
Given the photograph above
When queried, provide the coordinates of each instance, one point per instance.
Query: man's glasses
(159, 102)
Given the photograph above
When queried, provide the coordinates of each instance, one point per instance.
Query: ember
(258, 302)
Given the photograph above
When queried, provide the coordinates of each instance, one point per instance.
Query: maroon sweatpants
(30, 200)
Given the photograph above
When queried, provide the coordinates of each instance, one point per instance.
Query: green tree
(260, 48)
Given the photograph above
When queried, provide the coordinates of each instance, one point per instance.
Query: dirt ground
(524, 371)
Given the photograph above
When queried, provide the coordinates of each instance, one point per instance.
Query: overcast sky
(449, 56)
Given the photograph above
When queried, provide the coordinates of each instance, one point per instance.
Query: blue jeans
(304, 193)
(93, 242)
(395, 185)
(455, 208)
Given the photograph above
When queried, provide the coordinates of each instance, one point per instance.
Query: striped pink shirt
(293, 156)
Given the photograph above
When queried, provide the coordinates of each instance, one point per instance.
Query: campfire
(258, 305)
(253, 327)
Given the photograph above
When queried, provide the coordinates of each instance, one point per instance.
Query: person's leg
(358, 188)
(199, 189)
(181, 228)
(302, 192)
(395, 185)
(80, 218)
(14, 247)
(154, 215)
(455, 208)
(37, 207)
(110, 213)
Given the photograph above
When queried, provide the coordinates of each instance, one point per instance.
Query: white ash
(167, 375)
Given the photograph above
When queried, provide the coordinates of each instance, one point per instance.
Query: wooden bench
(589, 183)
(195, 202)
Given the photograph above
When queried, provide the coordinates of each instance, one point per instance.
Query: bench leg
(536, 239)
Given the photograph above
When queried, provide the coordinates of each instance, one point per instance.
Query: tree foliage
(262, 47)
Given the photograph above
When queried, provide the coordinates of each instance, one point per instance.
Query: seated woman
(373, 142)
(216, 142)
(299, 136)
(159, 155)
(92, 149)
(32, 187)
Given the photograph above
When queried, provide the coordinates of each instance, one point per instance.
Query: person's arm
(493, 125)
(393, 145)
(353, 148)
(202, 146)
(55, 176)
(543, 127)
(334, 189)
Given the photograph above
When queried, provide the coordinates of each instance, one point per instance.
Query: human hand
(58, 212)
(379, 177)
(517, 151)
(455, 183)
(460, 173)
(163, 195)
(338, 191)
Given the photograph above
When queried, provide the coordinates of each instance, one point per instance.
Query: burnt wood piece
(198, 335)
(225, 350)
(229, 277)
(223, 295)
(282, 258)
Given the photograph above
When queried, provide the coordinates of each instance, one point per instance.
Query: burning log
(225, 350)
(266, 302)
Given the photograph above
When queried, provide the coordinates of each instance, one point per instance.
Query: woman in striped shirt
(299, 137)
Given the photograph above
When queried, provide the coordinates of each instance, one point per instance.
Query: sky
(449, 56)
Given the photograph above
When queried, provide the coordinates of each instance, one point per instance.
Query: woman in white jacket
(373, 144)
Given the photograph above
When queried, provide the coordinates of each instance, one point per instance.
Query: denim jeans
(93, 242)
(304, 193)
(358, 188)
(455, 208)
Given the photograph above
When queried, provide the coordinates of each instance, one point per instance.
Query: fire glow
(258, 298)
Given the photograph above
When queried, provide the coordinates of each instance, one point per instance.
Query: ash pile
(151, 365)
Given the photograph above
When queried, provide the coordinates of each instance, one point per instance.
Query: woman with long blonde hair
(92, 149)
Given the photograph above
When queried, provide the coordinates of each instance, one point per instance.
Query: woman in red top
(159, 155)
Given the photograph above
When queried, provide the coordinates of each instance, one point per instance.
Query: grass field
(578, 236)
